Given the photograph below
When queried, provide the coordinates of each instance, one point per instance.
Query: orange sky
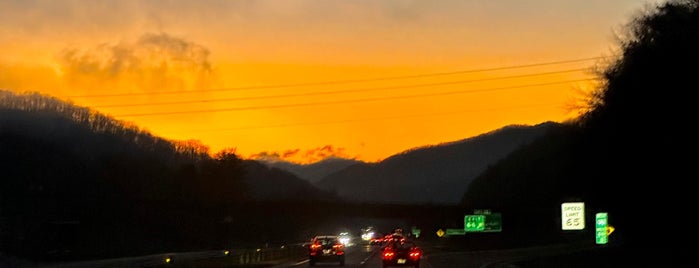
(305, 79)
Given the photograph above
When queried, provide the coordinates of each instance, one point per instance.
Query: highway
(360, 254)
(367, 256)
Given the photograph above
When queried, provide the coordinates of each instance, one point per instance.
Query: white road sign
(573, 216)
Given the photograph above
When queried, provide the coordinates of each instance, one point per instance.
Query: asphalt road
(366, 256)
(580, 255)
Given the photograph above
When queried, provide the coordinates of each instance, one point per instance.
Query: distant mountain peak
(313, 172)
(430, 174)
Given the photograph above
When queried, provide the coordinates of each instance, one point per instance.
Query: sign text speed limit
(573, 216)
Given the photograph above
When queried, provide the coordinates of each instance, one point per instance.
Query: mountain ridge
(315, 171)
(420, 172)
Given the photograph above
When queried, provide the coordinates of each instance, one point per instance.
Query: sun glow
(362, 80)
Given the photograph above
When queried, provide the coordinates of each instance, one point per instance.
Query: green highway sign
(415, 231)
(456, 232)
(474, 223)
(487, 222)
(493, 222)
(601, 224)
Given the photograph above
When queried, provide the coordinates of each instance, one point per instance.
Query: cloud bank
(303, 156)
(154, 62)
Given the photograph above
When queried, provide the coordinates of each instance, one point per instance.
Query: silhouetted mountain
(271, 183)
(314, 172)
(78, 184)
(432, 174)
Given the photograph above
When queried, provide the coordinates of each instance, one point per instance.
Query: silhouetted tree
(634, 154)
(645, 117)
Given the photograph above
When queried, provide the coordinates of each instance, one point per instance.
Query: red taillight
(339, 249)
(388, 254)
(314, 249)
(414, 254)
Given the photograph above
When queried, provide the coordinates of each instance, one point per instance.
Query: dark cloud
(324, 152)
(155, 61)
(290, 153)
(266, 156)
(306, 156)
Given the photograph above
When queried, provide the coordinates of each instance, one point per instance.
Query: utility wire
(374, 118)
(334, 92)
(347, 101)
(336, 82)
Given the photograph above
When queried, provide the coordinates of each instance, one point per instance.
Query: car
(345, 238)
(401, 253)
(326, 248)
(394, 237)
(376, 239)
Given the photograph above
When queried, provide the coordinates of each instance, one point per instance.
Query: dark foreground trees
(633, 155)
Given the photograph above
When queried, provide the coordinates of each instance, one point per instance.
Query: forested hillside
(75, 184)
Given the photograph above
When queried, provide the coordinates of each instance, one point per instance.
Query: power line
(334, 92)
(336, 82)
(347, 101)
(375, 118)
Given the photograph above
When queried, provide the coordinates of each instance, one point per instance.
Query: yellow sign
(610, 229)
(440, 232)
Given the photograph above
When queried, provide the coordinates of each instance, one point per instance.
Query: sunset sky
(306, 79)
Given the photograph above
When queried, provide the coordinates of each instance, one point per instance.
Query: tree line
(633, 154)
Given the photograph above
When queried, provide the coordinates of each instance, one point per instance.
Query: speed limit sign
(573, 216)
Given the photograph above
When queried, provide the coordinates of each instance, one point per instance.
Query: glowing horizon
(302, 80)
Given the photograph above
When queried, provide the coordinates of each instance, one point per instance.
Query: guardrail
(231, 257)
(267, 255)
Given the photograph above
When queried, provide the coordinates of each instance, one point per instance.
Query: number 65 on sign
(573, 216)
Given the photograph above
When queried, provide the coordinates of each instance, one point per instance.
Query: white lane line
(368, 257)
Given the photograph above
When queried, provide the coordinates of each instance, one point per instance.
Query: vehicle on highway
(326, 248)
(394, 237)
(345, 238)
(401, 253)
(368, 233)
(376, 239)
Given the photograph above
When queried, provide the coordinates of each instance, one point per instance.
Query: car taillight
(388, 254)
(339, 249)
(315, 247)
(415, 254)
